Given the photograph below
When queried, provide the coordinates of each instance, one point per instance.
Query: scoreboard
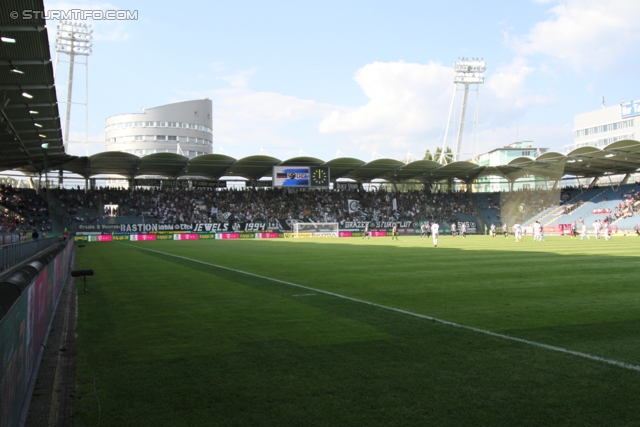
(301, 176)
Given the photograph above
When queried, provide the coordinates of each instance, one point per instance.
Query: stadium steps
(584, 204)
(626, 224)
(542, 215)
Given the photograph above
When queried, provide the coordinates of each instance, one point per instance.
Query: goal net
(315, 229)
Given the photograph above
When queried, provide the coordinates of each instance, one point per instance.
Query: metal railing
(13, 254)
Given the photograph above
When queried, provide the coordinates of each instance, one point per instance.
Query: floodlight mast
(468, 71)
(74, 39)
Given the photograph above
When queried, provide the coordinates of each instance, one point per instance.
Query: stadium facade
(182, 128)
(606, 125)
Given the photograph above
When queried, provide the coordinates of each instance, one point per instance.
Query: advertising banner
(346, 186)
(121, 237)
(602, 211)
(267, 235)
(378, 234)
(185, 236)
(471, 226)
(147, 182)
(206, 236)
(22, 332)
(630, 109)
(208, 184)
(99, 227)
(272, 225)
(104, 238)
(359, 225)
(143, 237)
(227, 236)
(175, 183)
(344, 234)
(565, 229)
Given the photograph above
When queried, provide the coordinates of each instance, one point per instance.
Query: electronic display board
(300, 176)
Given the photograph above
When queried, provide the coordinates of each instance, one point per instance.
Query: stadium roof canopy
(29, 114)
(29, 118)
(622, 157)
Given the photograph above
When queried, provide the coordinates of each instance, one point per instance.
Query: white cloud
(584, 33)
(507, 94)
(406, 112)
(405, 98)
(245, 120)
(409, 105)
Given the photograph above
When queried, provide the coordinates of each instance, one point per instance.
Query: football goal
(315, 229)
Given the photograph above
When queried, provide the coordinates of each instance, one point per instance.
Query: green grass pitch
(168, 338)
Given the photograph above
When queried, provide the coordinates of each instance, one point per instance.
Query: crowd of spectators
(178, 205)
(629, 206)
(22, 210)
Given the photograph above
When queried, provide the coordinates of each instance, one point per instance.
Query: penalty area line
(421, 316)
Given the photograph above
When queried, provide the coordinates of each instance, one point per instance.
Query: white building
(502, 156)
(601, 127)
(182, 128)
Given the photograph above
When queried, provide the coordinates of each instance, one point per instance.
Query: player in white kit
(517, 231)
(536, 231)
(596, 228)
(435, 230)
(584, 231)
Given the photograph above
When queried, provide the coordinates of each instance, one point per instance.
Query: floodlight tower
(468, 71)
(74, 39)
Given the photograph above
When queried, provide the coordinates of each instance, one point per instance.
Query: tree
(428, 155)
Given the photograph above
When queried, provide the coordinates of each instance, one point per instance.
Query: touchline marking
(422, 316)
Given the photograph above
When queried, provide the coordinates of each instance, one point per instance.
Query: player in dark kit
(423, 230)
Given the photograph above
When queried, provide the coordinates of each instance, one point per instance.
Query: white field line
(422, 316)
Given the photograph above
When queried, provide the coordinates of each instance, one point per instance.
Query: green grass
(173, 342)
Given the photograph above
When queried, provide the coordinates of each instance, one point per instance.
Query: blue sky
(363, 78)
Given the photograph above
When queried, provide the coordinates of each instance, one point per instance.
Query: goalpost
(315, 229)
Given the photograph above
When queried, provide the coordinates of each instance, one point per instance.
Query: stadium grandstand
(171, 194)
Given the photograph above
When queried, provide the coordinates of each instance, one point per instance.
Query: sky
(365, 79)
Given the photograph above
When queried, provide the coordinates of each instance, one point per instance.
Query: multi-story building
(182, 128)
(604, 126)
(502, 156)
